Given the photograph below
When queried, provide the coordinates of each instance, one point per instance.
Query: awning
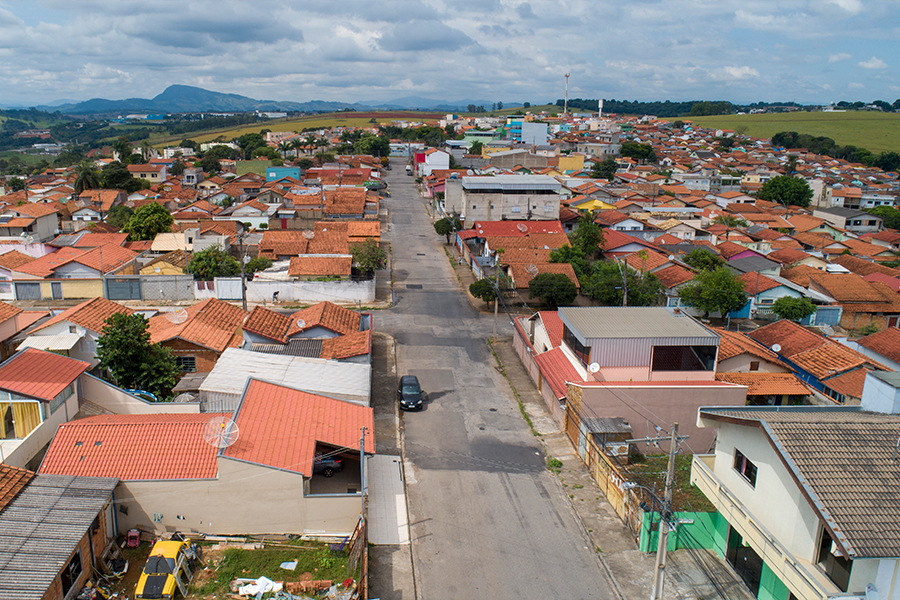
(62, 341)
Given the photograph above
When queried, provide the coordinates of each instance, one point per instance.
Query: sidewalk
(630, 569)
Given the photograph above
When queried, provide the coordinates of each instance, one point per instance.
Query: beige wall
(244, 499)
(741, 364)
(120, 402)
(638, 404)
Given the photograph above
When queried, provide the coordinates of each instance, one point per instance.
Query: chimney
(881, 393)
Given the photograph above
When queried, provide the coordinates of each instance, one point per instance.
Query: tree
(638, 151)
(256, 264)
(125, 351)
(323, 157)
(795, 309)
(177, 167)
(226, 202)
(786, 190)
(499, 106)
(15, 184)
(573, 256)
(476, 148)
(87, 176)
(483, 289)
(710, 291)
(214, 262)
(210, 164)
(605, 170)
(115, 176)
(368, 256)
(587, 237)
(888, 161)
(554, 289)
(118, 216)
(730, 221)
(446, 226)
(122, 147)
(305, 163)
(284, 147)
(890, 215)
(148, 221)
(703, 260)
(606, 285)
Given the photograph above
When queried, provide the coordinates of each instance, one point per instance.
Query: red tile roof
(133, 448)
(92, 240)
(45, 265)
(553, 325)
(309, 265)
(522, 277)
(211, 324)
(734, 344)
(12, 481)
(268, 323)
(861, 266)
(8, 311)
(40, 374)
(787, 256)
(756, 282)
(792, 337)
(515, 228)
(281, 426)
(850, 383)
(106, 258)
(767, 384)
(557, 370)
(885, 342)
(325, 314)
(345, 346)
(90, 314)
(673, 276)
(13, 259)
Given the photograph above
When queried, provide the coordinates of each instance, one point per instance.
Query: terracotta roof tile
(13, 259)
(211, 324)
(308, 265)
(787, 256)
(40, 374)
(673, 276)
(8, 311)
(846, 287)
(280, 427)
(861, 266)
(514, 228)
(553, 325)
(345, 346)
(268, 323)
(106, 258)
(92, 240)
(767, 384)
(755, 283)
(792, 337)
(325, 314)
(134, 448)
(45, 265)
(850, 383)
(522, 277)
(885, 342)
(12, 481)
(646, 260)
(733, 344)
(557, 370)
(91, 314)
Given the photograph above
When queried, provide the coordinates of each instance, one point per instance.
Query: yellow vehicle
(169, 569)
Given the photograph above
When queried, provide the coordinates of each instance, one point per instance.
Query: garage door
(28, 291)
(122, 288)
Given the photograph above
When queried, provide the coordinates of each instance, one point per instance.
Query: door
(746, 562)
(56, 290)
(122, 288)
(28, 291)
(582, 439)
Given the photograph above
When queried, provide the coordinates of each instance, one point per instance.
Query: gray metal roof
(751, 264)
(512, 183)
(631, 322)
(308, 347)
(41, 528)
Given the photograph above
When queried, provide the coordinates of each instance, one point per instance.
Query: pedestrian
(275, 297)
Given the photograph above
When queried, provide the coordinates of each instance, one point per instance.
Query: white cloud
(736, 73)
(873, 63)
(855, 86)
(839, 57)
(850, 6)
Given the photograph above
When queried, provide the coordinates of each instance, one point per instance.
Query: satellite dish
(593, 367)
(301, 323)
(308, 234)
(178, 316)
(776, 347)
(157, 270)
(220, 432)
(522, 227)
(532, 270)
(185, 397)
(247, 259)
(26, 239)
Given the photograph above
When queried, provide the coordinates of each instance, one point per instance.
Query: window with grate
(188, 364)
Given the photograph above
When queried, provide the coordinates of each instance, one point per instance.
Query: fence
(174, 288)
(359, 556)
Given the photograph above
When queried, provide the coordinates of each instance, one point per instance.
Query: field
(342, 119)
(874, 131)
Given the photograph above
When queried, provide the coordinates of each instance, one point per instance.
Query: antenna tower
(566, 105)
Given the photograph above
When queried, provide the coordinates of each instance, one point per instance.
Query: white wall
(41, 435)
(121, 402)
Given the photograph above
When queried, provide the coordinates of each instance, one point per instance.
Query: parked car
(168, 558)
(409, 393)
(327, 465)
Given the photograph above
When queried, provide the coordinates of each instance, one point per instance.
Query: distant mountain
(186, 98)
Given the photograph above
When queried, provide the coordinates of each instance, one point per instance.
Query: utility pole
(566, 105)
(243, 276)
(665, 522)
(497, 290)
(624, 282)
(362, 471)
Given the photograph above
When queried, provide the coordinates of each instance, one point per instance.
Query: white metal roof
(632, 322)
(60, 341)
(328, 377)
(512, 183)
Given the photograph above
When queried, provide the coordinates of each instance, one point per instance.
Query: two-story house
(808, 498)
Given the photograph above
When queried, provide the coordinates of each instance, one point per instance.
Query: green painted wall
(704, 532)
(770, 587)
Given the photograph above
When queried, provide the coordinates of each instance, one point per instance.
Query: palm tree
(310, 142)
(146, 147)
(87, 176)
(284, 148)
(296, 144)
(123, 147)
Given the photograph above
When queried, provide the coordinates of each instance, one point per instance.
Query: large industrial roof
(511, 183)
(631, 322)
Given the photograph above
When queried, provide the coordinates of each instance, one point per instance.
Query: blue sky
(815, 51)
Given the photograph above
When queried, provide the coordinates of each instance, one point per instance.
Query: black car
(327, 465)
(409, 393)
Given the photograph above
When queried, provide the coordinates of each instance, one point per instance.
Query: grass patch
(685, 497)
(555, 465)
(874, 131)
(311, 557)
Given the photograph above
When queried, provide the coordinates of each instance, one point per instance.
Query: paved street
(487, 519)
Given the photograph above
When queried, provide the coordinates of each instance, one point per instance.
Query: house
(33, 222)
(863, 303)
(321, 321)
(38, 391)
(791, 257)
(191, 481)
(834, 370)
(208, 329)
(739, 353)
(154, 173)
(882, 346)
(807, 499)
(14, 320)
(55, 532)
(75, 331)
(502, 197)
(662, 362)
(850, 219)
(431, 160)
(171, 263)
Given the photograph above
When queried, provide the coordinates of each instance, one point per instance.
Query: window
(835, 566)
(61, 397)
(754, 365)
(516, 209)
(70, 573)
(746, 468)
(683, 358)
(581, 351)
(73, 329)
(188, 364)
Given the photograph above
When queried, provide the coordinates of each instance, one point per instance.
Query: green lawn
(686, 497)
(874, 131)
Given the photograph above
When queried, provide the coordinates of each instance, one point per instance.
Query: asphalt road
(488, 520)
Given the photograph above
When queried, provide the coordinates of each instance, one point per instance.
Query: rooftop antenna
(301, 323)
(220, 432)
(177, 316)
(566, 105)
(308, 234)
(532, 270)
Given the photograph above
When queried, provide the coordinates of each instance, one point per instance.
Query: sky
(811, 52)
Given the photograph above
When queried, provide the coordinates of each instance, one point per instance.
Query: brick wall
(204, 357)
(55, 592)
